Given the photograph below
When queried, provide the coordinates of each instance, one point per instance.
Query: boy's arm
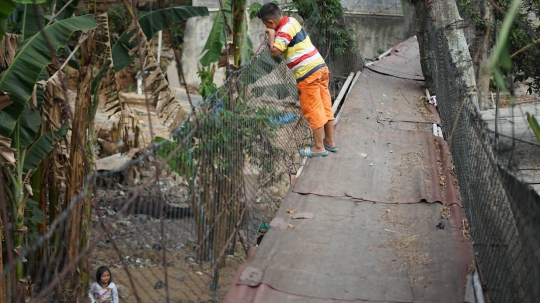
(274, 51)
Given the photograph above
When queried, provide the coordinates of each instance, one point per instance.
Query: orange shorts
(315, 100)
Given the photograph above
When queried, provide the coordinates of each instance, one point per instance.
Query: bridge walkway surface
(378, 221)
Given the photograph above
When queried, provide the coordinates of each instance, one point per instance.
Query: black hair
(100, 271)
(269, 11)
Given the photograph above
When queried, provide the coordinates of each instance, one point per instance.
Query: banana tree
(21, 122)
(232, 21)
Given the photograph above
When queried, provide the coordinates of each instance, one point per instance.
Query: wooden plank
(344, 99)
(342, 92)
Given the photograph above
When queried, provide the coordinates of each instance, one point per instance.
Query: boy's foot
(330, 146)
(331, 149)
(306, 152)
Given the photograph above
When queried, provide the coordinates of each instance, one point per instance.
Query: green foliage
(254, 9)
(150, 24)
(22, 74)
(501, 61)
(225, 134)
(207, 86)
(323, 21)
(29, 1)
(6, 8)
(468, 8)
(180, 159)
(235, 26)
(216, 40)
(534, 125)
(120, 19)
(41, 147)
(33, 216)
(68, 11)
(29, 20)
(246, 46)
(177, 31)
(524, 66)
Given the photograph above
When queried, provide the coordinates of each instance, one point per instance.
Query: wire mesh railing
(175, 220)
(503, 212)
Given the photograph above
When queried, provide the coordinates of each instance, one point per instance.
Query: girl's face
(105, 277)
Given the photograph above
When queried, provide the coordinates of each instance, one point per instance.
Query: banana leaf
(19, 79)
(534, 125)
(150, 24)
(41, 148)
(30, 20)
(214, 44)
(6, 8)
(68, 11)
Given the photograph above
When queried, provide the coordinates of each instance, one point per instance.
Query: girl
(103, 290)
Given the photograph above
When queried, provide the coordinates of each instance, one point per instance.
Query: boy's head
(270, 15)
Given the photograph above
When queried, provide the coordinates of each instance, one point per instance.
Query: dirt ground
(133, 249)
(135, 254)
(141, 249)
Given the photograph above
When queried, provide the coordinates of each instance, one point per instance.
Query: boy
(287, 36)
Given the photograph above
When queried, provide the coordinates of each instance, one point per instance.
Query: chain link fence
(216, 183)
(175, 220)
(503, 212)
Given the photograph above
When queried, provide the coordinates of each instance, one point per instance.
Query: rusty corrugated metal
(370, 237)
(403, 61)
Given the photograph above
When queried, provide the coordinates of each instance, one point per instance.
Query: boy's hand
(271, 39)
(271, 32)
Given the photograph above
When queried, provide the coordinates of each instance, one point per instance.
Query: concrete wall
(394, 7)
(378, 32)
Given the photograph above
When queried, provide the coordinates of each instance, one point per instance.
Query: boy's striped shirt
(299, 53)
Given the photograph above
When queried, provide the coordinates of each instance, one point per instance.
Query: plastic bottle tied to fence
(433, 100)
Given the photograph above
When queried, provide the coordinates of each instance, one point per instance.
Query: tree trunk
(422, 16)
(444, 14)
(54, 169)
(239, 28)
(480, 53)
(77, 224)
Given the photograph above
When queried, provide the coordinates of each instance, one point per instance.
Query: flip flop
(331, 149)
(328, 148)
(306, 152)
